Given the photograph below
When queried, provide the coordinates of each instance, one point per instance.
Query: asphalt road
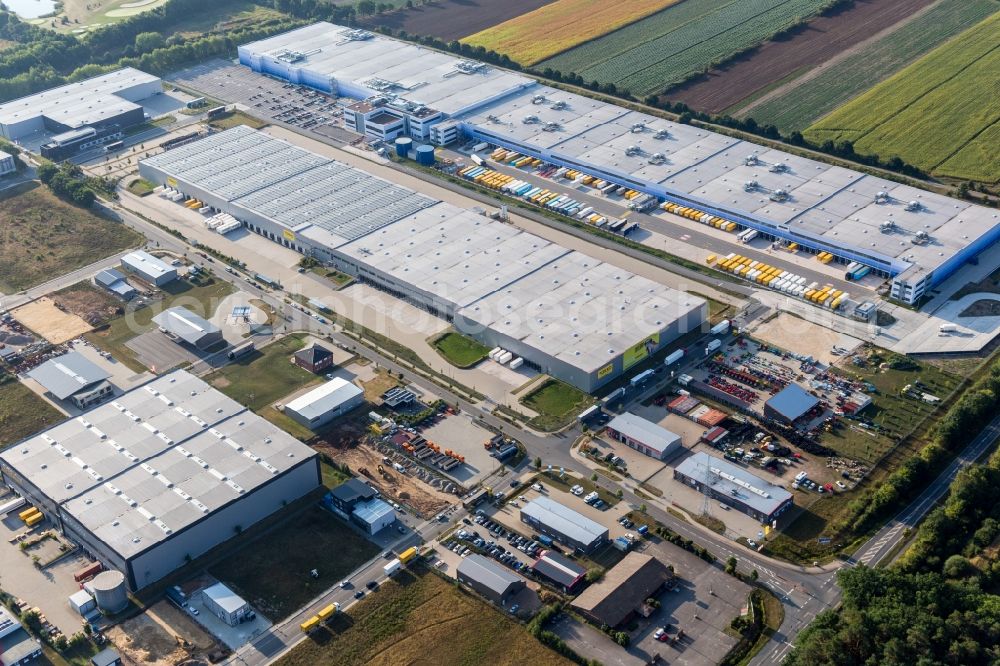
(803, 592)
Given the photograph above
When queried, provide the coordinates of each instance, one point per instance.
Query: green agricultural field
(650, 55)
(810, 100)
(459, 350)
(940, 113)
(419, 618)
(260, 378)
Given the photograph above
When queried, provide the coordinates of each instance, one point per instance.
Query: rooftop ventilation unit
(357, 35)
(881, 197)
(913, 206)
(750, 186)
(632, 150)
(921, 238)
(779, 195)
(887, 227)
(493, 119)
(530, 119)
(471, 67)
(657, 158)
(751, 160)
(661, 134)
(538, 99)
(638, 128)
(559, 105)
(778, 167)
(551, 127)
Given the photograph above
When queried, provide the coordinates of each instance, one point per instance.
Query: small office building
(314, 358)
(562, 572)
(325, 403)
(348, 495)
(106, 657)
(564, 524)
(619, 596)
(373, 515)
(489, 578)
(149, 268)
(114, 281)
(734, 486)
(72, 377)
(225, 604)
(644, 436)
(17, 647)
(183, 326)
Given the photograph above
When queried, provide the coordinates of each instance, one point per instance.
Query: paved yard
(48, 590)
(461, 434)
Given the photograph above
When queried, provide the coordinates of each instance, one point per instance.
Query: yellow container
(710, 259)
(27, 512)
(34, 519)
(327, 612)
(309, 624)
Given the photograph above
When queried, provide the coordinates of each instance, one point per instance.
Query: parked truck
(392, 567)
(712, 346)
(408, 554)
(673, 357)
(721, 328)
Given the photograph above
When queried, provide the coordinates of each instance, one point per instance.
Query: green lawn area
(200, 294)
(272, 573)
(258, 379)
(141, 187)
(460, 350)
(556, 403)
(896, 413)
(332, 477)
(419, 618)
(333, 275)
(22, 413)
(42, 236)
(230, 120)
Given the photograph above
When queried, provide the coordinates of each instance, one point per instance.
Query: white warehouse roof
(324, 398)
(564, 520)
(733, 480)
(186, 325)
(83, 102)
(154, 461)
(224, 598)
(143, 261)
(648, 433)
(362, 60)
(828, 207)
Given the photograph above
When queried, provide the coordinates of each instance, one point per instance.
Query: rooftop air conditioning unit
(881, 197)
(887, 227)
(559, 105)
(661, 134)
(632, 150)
(750, 186)
(778, 167)
(538, 99)
(530, 119)
(751, 160)
(779, 195)
(913, 206)
(638, 127)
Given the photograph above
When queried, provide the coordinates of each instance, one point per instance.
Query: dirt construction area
(46, 319)
(453, 19)
(804, 338)
(822, 39)
(162, 636)
(393, 485)
(93, 305)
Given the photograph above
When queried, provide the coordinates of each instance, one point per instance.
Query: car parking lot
(263, 96)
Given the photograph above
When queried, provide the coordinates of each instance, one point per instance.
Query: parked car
(193, 610)
(359, 594)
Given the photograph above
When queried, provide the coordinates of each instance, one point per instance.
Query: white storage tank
(109, 590)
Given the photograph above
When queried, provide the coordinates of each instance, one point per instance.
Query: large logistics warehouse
(564, 312)
(79, 115)
(159, 475)
(914, 236)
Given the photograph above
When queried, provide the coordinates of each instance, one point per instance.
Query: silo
(109, 591)
(425, 155)
(403, 146)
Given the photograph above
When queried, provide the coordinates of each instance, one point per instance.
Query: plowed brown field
(453, 19)
(822, 39)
